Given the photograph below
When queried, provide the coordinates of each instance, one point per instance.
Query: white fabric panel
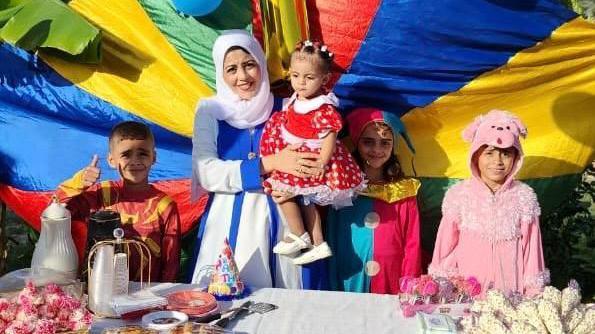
(216, 229)
(251, 255)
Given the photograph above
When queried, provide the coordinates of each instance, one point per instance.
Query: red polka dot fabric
(342, 177)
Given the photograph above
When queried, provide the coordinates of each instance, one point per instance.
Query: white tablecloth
(309, 312)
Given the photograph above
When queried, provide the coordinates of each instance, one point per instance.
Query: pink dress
(494, 237)
(307, 123)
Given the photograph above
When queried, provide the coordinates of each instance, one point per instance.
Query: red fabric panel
(397, 244)
(342, 25)
(257, 21)
(30, 204)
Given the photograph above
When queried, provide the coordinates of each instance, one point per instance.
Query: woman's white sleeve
(212, 173)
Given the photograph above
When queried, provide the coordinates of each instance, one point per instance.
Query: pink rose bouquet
(45, 311)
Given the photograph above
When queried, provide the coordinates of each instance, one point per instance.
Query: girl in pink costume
(490, 222)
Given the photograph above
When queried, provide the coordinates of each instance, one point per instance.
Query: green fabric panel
(429, 200)
(193, 37)
(551, 193)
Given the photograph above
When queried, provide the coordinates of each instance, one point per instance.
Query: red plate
(191, 302)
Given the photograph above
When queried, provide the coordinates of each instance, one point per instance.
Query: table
(308, 312)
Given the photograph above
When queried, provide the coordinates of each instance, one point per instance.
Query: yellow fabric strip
(394, 191)
(140, 71)
(160, 209)
(73, 186)
(284, 23)
(550, 86)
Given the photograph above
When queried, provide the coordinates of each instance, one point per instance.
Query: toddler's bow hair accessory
(308, 43)
(325, 49)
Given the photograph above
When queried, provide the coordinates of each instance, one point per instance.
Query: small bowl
(164, 321)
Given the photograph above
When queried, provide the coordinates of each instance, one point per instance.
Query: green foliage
(49, 24)
(586, 8)
(20, 243)
(569, 237)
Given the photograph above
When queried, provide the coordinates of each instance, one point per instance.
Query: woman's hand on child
(301, 164)
(281, 196)
(319, 174)
(91, 173)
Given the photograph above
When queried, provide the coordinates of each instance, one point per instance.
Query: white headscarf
(227, 105)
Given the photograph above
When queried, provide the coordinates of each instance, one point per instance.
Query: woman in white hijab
(226, 163)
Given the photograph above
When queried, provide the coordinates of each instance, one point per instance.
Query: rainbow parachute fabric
(437, 65)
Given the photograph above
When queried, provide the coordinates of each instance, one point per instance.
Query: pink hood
(497, 128)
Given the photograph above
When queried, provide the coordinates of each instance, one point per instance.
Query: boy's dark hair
(131, 130)
(315, 48)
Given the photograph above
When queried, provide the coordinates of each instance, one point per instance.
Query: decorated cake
(225, 280)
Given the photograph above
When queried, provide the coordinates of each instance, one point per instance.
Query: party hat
(225, 280)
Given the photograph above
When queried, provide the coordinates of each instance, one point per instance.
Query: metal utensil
(225, 321)
(261, 308)
(246, 308)
(206, 318)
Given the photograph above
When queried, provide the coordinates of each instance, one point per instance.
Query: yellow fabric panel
(550, 86)
(393, 191)
(140, 71)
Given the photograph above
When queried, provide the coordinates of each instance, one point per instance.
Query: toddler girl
(311, 122)
(490, 222)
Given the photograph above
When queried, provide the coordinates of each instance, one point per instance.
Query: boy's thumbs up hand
(91, 173)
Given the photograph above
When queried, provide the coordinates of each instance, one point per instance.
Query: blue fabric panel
(352, 245)
(417, 51)
(273, 231)
(250, 171)
(315, 275)
(236, 144)
(236, 215)
(49, 128)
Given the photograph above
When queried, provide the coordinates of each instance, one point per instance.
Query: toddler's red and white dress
(307, 122)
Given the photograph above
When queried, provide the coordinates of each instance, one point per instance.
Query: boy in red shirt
(147, 213)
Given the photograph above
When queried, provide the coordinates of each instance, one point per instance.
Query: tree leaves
(569, 237)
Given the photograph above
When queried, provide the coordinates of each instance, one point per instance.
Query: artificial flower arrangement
(438, 290)
(45, 311)
(553, 311)
(425, 292)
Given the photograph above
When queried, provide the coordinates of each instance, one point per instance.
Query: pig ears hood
(497, 128)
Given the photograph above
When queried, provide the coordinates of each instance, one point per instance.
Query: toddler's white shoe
(298, 243)
(317, 253)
